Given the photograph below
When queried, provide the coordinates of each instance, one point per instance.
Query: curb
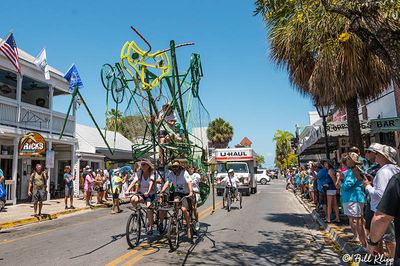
(53, 216)
(344, 246)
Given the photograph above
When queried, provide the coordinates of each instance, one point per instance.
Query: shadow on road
(113, 239)
(279, 248)
(291, 219)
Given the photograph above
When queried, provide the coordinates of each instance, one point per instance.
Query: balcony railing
(33, 117)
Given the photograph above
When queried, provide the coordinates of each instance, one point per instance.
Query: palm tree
(219, 133)
(282, 147)
(114, 120)
(323, 59)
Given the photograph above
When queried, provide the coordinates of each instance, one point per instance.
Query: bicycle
(229, 197)
(175, 223)
(137, 222)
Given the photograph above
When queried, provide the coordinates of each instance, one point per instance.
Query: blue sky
(241, 84)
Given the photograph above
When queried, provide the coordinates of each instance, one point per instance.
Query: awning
(385, 125)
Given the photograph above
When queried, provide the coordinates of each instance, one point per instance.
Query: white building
(26, 104)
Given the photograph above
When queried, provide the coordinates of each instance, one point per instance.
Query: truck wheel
(263, 181)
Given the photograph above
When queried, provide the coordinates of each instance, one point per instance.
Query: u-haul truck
(243, 163)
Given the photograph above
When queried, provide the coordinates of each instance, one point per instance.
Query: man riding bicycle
(231, 181)
(180, 184)
(144, 187)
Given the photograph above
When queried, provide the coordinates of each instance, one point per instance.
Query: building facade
(27, 105)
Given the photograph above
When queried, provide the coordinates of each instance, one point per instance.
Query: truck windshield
(237, 168)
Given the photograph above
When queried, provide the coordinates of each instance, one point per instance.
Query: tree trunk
(353, 122)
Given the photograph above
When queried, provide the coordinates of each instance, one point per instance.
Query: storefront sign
(32, 144)
(341, 128)
(385, 125)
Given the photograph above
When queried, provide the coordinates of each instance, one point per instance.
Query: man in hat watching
(385, 157)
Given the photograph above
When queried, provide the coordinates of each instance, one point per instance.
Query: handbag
(3, 192)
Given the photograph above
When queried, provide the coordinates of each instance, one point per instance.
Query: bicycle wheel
(223, 201)
(107, 75)
(133, 230)
(173, 233)
(240, 200)
(229, 201)
(117, 90)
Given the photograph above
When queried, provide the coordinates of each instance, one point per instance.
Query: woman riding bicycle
(144, 187)
(181, 185)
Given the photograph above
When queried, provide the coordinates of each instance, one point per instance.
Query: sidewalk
(341, 234)
(22, 214)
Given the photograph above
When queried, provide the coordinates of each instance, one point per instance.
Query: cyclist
(230, 181)
(179, 180)
(196, 178)
(144, 187)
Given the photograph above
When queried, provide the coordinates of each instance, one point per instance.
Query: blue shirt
(2, 174)
(321, 179)
(352, 189)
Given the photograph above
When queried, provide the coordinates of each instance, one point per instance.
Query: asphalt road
(272, 228)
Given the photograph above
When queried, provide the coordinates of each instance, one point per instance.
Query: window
(237, 168)
(8, 84)
(35, 92)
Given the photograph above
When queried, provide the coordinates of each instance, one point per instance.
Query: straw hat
(388, 152)
(148, 162)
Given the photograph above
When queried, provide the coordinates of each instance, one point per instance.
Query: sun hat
(388, 152)
(231, 171)
(373, 147)
(87, 168)
(354, 149)
(145, 161)
(175, 163)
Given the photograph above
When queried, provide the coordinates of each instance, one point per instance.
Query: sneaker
(150, 232)
(72, 207)
(66, 207)
(197, 226)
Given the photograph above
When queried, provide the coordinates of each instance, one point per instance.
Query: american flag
(9, 49)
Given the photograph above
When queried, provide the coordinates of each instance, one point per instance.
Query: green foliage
(282, 148)
(219, 133)
(131, 127)
(290, 161)
(260, 160)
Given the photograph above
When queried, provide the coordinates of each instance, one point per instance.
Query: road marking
(134, 256)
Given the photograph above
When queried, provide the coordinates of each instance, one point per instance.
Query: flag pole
(69, 111)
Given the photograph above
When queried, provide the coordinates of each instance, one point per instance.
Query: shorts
(69, 191)
(99, 189)
(331, 192)
(353, 209)
(149, 198)
(163, 133)
(186, 202)
(115, 196)
(38, 195)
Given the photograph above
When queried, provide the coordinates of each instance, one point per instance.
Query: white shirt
(180, 182)
(144, 184)
(380, 182)
(234, 180)
(195, 182)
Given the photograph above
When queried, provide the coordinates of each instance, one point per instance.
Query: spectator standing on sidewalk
(37, 188)
(106, 184)
(3, 185)
(353, 198)
(69, 187)
(321, 181)
(387, 210)
(386, 158)
(88, 185)
(98, 184)
(331, 194)
(116, 186)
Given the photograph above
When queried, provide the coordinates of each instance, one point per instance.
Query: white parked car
(262, 176)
